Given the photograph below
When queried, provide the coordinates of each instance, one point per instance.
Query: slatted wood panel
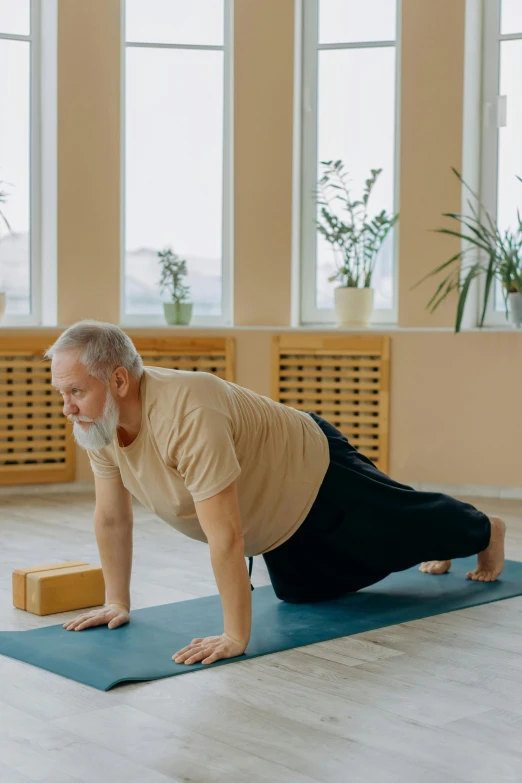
(345, 380)
(214, 355)
(36, 441)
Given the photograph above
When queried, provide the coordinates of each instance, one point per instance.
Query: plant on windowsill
(173, 269)
(489, 252)
(3, 219)
(355, 240)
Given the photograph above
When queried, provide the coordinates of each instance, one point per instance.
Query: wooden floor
(432, 701)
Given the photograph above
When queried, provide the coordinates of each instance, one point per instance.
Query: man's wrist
(233, 639)
(119, 603)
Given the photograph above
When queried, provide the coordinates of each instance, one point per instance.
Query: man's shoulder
(173, 380)
(180, 391)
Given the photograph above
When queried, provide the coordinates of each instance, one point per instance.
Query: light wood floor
(432, 701)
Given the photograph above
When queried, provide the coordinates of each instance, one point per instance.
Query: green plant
(173, 270)
(356, 241)
(495, 254)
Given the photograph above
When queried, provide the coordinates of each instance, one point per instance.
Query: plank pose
(249, 476)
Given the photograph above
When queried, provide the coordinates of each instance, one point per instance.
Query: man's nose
(69, 408)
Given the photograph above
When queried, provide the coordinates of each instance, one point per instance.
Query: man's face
(87, 402)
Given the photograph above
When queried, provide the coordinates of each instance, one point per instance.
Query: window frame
(491, 40)
(34, 318)
(310, 314)
(226, 317)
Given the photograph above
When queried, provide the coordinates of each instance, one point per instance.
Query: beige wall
(88, 160)
(432, 70)
(455, 415)
(263, 96)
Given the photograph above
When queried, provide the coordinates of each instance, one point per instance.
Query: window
(19, 160)
(502, 148)
(177, 154)
(349, 114)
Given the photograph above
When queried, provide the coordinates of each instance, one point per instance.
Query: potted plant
(489, 252)
(173, 270)
(3, 295)
(355, 240)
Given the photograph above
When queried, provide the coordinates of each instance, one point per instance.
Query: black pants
(363, 526)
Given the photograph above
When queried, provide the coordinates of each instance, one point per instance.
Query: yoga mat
(143, 649)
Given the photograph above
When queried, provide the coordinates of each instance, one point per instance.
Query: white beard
(101, 431)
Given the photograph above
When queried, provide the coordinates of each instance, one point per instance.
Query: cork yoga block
(58, 587)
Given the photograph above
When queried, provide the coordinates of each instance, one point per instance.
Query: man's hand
(209, 650)
(112, 615)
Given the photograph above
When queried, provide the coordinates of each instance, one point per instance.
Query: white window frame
(35, 179)
(309, 312)
(492, 38)
(227, 305)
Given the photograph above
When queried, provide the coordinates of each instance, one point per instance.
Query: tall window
(349, 114)
(177, 153)
(18, 158)
(502, 138)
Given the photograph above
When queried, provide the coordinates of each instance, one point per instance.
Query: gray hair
(103, 347)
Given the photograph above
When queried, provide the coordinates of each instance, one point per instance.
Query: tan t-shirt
(198, 434)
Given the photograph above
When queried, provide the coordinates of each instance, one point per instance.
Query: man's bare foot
(435, 566)
(490, 562)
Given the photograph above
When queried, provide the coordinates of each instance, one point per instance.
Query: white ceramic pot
(353, 306)
(515, 309)
(3, 304)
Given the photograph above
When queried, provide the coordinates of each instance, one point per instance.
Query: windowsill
(373, 328)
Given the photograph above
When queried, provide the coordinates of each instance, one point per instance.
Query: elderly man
(249, 476)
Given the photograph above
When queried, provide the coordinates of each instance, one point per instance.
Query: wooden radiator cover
(214, 355)
(345, 380)
(36, 441)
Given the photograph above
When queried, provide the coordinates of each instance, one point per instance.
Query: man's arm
(113, 523)
(113, 528)
(220, 519)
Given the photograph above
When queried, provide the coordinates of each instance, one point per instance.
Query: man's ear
(120, 377)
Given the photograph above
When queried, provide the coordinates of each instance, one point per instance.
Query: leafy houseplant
(173, 270)
(355, 239)
(489, 252)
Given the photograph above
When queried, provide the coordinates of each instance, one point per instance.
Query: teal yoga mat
(143, 649)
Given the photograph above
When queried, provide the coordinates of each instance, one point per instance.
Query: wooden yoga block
(58, 587)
